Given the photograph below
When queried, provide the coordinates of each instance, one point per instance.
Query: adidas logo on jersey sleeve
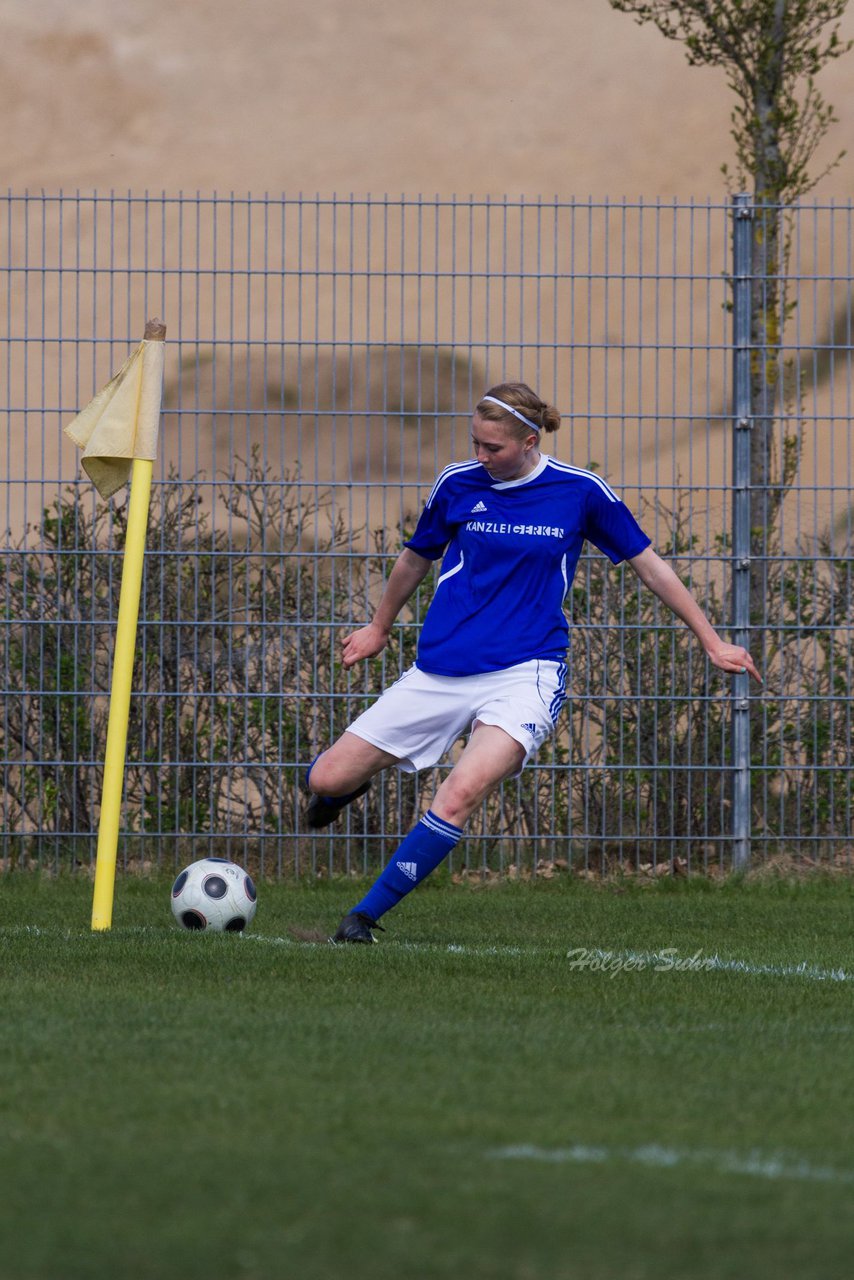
(478, 506)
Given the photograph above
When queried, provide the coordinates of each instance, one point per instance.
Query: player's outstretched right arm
(408, 573)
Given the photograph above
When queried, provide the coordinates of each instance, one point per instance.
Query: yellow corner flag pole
(120, 690)
(118, 431)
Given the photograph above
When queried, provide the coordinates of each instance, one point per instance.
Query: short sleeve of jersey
(432, 533)
(611, 527)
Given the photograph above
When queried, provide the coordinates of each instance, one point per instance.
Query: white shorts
(420, 716)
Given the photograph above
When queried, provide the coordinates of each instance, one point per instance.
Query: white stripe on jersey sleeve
(590, 475)
(453, 469)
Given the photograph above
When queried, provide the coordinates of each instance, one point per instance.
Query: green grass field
(466, 1099)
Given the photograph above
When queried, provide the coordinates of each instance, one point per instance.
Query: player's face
(501, 452)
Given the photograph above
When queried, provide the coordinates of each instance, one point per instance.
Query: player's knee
(458, 799)
(326, 778)
(321, 778)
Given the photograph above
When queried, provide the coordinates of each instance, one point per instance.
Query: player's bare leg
(490, 756)
(345, 765)
(340, 775)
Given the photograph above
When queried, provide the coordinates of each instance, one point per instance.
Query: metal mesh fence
(323, 356)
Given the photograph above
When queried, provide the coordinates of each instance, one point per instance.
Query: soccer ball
(214, 894)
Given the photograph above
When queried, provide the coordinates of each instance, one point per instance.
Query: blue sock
(427, 844)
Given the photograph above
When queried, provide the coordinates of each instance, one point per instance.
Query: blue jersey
(512, 548)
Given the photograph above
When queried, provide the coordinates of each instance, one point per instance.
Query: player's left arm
(663, 580)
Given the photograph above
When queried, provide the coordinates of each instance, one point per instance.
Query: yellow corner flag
(118, 434)
(120, 424)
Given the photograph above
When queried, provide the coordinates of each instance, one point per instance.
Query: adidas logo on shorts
(532, 728)
(478, 506)
(409, 869)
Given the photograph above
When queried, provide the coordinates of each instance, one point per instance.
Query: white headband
(515, 412)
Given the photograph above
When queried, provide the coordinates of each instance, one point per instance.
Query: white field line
(610, 962)
(753, 1163)
(670, 961)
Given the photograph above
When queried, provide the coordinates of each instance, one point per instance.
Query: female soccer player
(491, 655)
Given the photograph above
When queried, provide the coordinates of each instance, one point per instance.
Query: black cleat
(323, 810)
(356, 927)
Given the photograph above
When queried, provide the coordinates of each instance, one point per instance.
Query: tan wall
(331, 96)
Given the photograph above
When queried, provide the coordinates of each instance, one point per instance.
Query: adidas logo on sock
(478, 506)
(409, 869)
(532, 728)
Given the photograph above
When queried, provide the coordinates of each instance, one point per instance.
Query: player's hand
(367, 642)
(735, 660)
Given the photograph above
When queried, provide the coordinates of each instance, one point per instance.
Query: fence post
(742, 410)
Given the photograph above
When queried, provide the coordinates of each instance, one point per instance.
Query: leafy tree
(771, 52)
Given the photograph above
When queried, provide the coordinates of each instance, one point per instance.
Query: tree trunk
(766, 317)
(765, 489)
